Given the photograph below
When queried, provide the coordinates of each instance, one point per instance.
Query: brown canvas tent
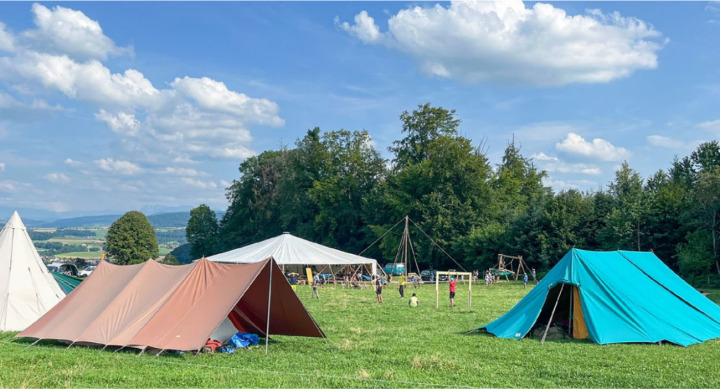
(164, 307)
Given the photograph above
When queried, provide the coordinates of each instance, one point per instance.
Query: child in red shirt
(452, 284)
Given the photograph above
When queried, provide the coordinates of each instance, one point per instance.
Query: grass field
(80, 254)
(373, 345)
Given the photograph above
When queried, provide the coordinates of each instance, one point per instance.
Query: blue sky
(107, 107)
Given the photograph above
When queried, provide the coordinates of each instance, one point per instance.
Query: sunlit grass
(379, 345)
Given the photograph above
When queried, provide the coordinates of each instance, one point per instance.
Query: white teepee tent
(27, 289)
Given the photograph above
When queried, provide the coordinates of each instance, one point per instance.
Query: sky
(108, 107)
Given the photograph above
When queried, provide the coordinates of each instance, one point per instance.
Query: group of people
(413, 301)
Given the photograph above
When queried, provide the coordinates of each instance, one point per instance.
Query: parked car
(395, 269)
(426, 275)
(86, 271)
(64, 268)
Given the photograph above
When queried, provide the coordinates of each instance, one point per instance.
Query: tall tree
(439, 180)
(254, 212)
(707, 200)
(202, 231)
(354, 169)
(626, 224)
(421, 127)
(131, 239)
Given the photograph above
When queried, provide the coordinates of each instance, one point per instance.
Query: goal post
(452, 274)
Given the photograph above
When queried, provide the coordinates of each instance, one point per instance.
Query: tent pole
(267, 324)
(437, 289)
(470, 292)
(572, 300)
(34, 343)
(547, 327)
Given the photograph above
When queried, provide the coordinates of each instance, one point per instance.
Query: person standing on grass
(316, 281)
(525, 280)
(452, 285)
(378, 288)
(401, 286)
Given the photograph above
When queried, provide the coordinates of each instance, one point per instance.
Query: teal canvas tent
(67, 283)
(614, 297)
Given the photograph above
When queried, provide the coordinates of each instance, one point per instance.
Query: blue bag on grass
(227, 350)
(242, 340)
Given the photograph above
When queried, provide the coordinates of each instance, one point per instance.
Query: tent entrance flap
(561, 316)
(579, 328)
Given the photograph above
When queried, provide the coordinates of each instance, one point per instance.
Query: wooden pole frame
(449, 274)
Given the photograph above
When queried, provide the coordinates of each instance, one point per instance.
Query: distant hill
(171, 219)
(27, 222)
(83, 221)
(158, 220)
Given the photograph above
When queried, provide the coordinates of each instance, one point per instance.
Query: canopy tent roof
(150, 305)
(625, 297)
(27, 290)
(67, 283)
(288, 249)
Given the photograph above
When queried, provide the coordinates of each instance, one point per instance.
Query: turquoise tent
(614, 297)
(67, 283)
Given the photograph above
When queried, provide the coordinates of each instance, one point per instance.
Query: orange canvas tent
(164, 307)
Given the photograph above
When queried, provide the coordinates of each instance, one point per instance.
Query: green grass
(164, 251)
(80, 254)
(387, 345)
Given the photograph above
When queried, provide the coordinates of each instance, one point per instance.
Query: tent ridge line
(670, 291)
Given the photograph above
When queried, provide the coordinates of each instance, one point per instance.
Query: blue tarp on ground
(626, 297)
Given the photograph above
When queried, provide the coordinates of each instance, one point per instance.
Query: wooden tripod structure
(515, 266)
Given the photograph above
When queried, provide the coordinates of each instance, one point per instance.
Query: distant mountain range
(157, 220)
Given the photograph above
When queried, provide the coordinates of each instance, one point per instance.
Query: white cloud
(68, 32)
(543, 157)
(13, 186)
(117, 166)
(121, 123)
(215, 96)
(559, 185)
(7, 41)
(712, 126)
(73, 163)
(198, 183)
(599, 149)
(666, 142)
(2, 166)
(88, 81)
(364, 28)
(503, 41)
(181, 171)
(555, 165)
(192, 118)
(56, 177)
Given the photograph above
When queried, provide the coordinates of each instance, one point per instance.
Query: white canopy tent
(287, 249)
(27, 289)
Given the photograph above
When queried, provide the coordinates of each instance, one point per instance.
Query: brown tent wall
(174, 307)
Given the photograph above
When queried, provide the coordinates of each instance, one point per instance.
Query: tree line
(335, 188)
